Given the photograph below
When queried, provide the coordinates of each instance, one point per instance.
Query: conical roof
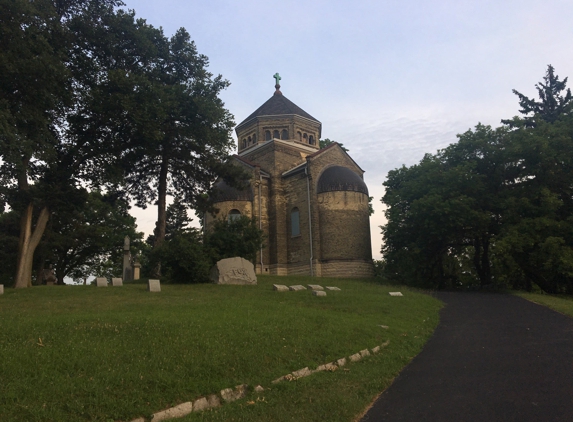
(278, 104)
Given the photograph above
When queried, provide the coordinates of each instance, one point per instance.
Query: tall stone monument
(127, 270)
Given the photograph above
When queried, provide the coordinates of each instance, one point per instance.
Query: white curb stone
(101, 282)
(318, 293)
(341, 362)
(200, 404)
(297, 288)
(280, 288)
(315, 287)
(395, 294)
(214, 400)
(301, 373)
(355, 357)
(229, 395)
(375, 349)
(175, 412)
(332, 288)
(364, 353)
(259, 389)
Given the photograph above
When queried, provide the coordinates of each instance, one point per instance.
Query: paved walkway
(492, 358)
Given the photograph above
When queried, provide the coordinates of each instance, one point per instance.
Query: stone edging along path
(240, 391)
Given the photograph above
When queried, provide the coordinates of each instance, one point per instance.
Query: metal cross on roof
(277, 78)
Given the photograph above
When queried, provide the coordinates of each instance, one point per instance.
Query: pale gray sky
(391, 80)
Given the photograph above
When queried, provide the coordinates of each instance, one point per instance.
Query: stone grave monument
(235, 270)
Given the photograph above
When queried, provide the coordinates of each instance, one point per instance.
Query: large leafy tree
(87, 240)
(494, 208)
(41, 85)
(186, 140)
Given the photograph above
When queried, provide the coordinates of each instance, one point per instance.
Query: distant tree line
(98, 108)
(493, 209)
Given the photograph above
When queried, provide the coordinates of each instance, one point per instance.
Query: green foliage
(554, 101)
(235, 237)
(9, 230)
(87, 240)
(494, 209)
(183, 258)
(323, 143)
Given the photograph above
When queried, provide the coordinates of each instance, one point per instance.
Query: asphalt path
(493, 357)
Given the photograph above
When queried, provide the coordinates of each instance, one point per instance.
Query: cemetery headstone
(49, 276)
(280, 288)
(235, 270)
(153, 285)
(396, 294)
(315, 287)
(318, 293)
(297, 288)
(116, 282)
(101, 282)
(1, 289)
(331, 288)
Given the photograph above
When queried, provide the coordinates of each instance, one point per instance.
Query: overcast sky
(391, 80)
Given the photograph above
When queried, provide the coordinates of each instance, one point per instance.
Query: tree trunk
(28, 242)
(159, 231)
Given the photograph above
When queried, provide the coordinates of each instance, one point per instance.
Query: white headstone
(116, 281)
(280, 288)
(101, 282)
(318, 293)
(315, 287)
(331, 288)
(153, 285)
(297, 288)
(1, 289)
(396, 294)
(235, 270)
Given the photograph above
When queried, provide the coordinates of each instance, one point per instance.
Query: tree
(87, 241)
(235, 237)
(41, 85)
(323, 143)
(554, 101)
(495, 208)
(179, 142)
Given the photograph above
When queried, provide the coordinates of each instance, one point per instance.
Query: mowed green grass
(561, 303)
(81, 353)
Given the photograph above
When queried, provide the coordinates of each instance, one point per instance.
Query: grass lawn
(559, 303)
(81, 353)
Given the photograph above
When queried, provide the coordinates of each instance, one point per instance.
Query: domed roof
(278, 104)
(339, 178)
(224, 192)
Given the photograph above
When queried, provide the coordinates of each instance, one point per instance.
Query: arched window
(295, 222)
(267, 135)
(305, 138)
(299, 136)
(276, 134)
(284, 134)
(311, 140)
(244, 143)
(233, 215)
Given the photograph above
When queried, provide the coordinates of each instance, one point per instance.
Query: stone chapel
(311, 203)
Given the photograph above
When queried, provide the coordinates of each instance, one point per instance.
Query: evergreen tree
(554, 101)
